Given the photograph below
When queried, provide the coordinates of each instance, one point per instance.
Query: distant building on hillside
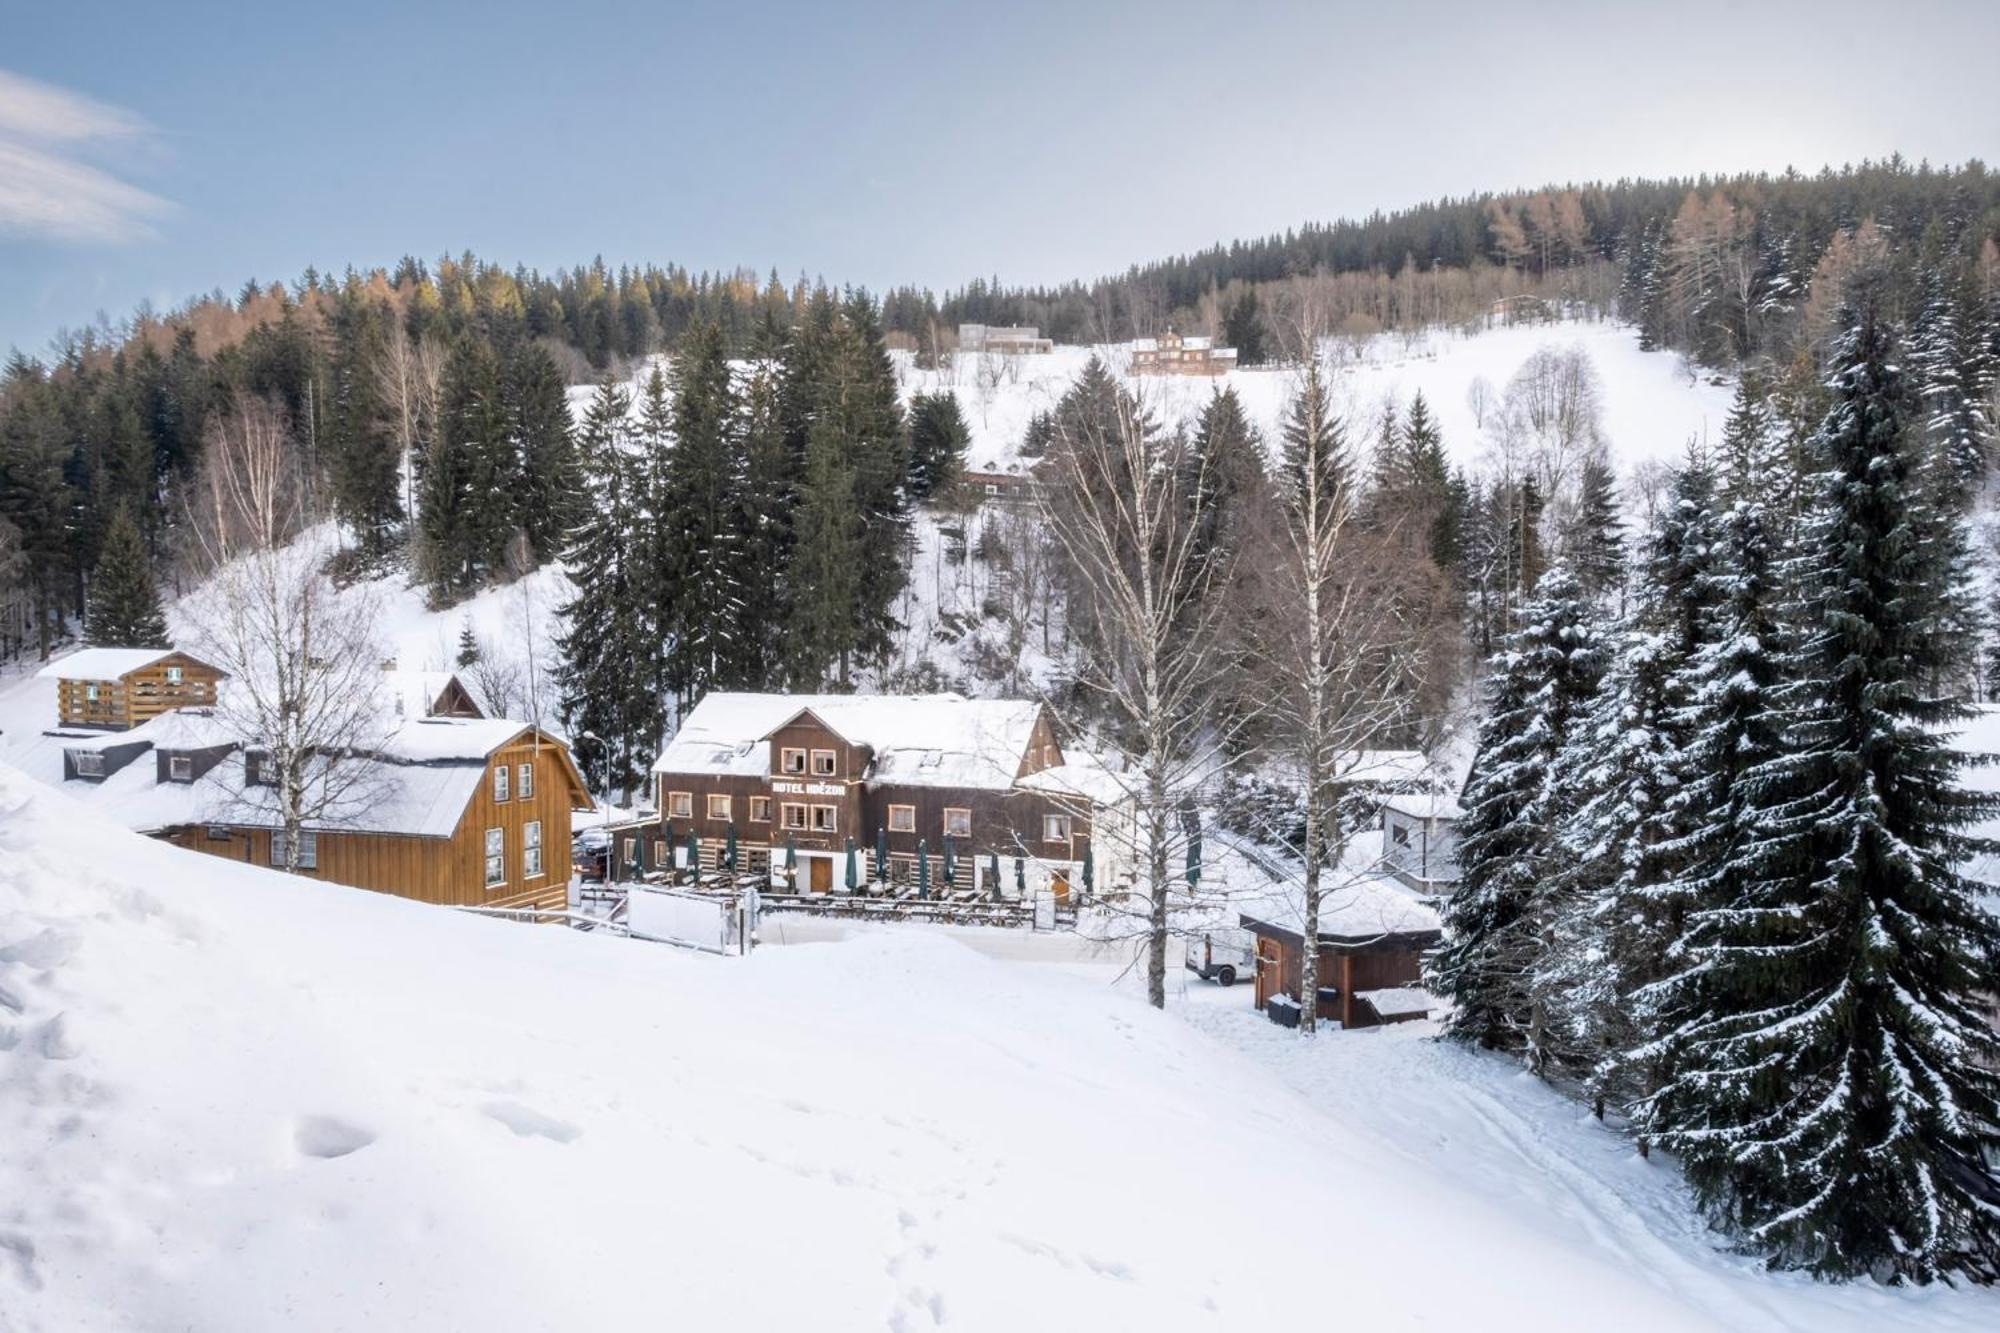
(1001, 485)
(1013, 340)
(1176, 354)
(114, 689)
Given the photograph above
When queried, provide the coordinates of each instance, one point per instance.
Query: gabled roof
(938, 740)
(109, 663)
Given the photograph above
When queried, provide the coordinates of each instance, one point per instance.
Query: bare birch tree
(1118, 504)
(1342, 660)
(249, 492)
(407, 378)
(305, 674)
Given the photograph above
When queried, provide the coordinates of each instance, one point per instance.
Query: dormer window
(257, 769)
(89, 764)
(180, 768)
(824, 763)
(173, 675)
(500, 776)
(791, 761)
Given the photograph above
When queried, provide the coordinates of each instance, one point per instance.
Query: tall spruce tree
(545, 504)
(362, 455)
(700, 513)
(823, 624)
(124, 606)
(1594, 533)
(1501, 919)
(608, 678)
(1834, 1084)
(769, 498)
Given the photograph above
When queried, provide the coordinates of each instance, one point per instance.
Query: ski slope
(233, 1101)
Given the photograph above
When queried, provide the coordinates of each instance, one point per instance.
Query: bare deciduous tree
(407, 378)
(1341, 649)
(1118, 504)
(249, 493)
(305, 674)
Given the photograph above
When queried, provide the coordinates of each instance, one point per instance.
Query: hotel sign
(808, 788)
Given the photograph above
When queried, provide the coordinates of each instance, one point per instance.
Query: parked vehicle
(590, 856)
(1223, 957)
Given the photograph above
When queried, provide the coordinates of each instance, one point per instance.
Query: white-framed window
(531, 849)
(90, 693)
(496, 857)
(792, 815)
(631, 851)
(791, 761)
(173, 675)
(180, 768)
(718, 807)
(500, 775)
(825, 762)
(680, 805)
(826, 818)
(760, 809)
(89, 764)
(1055, 828)
(257, 769)
(524, 782)
(902, 819)
(957, 822)
(308, 849)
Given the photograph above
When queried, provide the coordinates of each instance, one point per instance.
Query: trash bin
(1282, 1010)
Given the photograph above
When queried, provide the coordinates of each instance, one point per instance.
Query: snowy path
(1481, 1125)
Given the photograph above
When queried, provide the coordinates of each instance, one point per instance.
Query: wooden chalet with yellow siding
(902, 775)
(465, 812)
(114, 689)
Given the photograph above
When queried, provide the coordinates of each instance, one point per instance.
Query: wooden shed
(1372, 940)
(115, 689)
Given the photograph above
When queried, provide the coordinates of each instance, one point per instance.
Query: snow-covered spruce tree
(1593, 534)
(1945, 359)
(1837, 1077)
(1497, 923)
(1617, 781)
(123, 610)
(699, 513)
(939, 438)
(608, 676)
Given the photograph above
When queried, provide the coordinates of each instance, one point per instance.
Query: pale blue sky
(152, 151)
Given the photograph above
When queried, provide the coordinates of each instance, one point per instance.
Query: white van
(1223, 956)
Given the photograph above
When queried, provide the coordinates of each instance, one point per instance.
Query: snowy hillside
(232, 1101)
(1651, 405)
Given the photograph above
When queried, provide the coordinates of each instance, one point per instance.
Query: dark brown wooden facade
(452, 871)
(175, 680)
(820, 791)
(1345, 969)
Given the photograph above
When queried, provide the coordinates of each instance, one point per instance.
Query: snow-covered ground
(229, 1100)
(1651, 405)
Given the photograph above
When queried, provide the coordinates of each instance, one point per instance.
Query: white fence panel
(699, 920)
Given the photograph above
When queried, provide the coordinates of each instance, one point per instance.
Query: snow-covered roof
(428, 740)
(1424, 804)
(1082, 776)
(1359, 901)
(175, 729)
(106, 663)
(927, 740)
(1398, 1001)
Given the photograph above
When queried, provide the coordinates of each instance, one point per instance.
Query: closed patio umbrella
(729, 848)
(694, 852)
(1089, 870)
(881, 854)
(993, 875)
(791, 863)
(1194, 858)
(853, 868)
(1020, 878)
(923, 870)
(950, 866)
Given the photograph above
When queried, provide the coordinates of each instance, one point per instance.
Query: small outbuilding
(1372, 939)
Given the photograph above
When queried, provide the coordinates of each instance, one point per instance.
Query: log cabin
(1372, 939)
(115, 689)
(810, 773)
(464, 812)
